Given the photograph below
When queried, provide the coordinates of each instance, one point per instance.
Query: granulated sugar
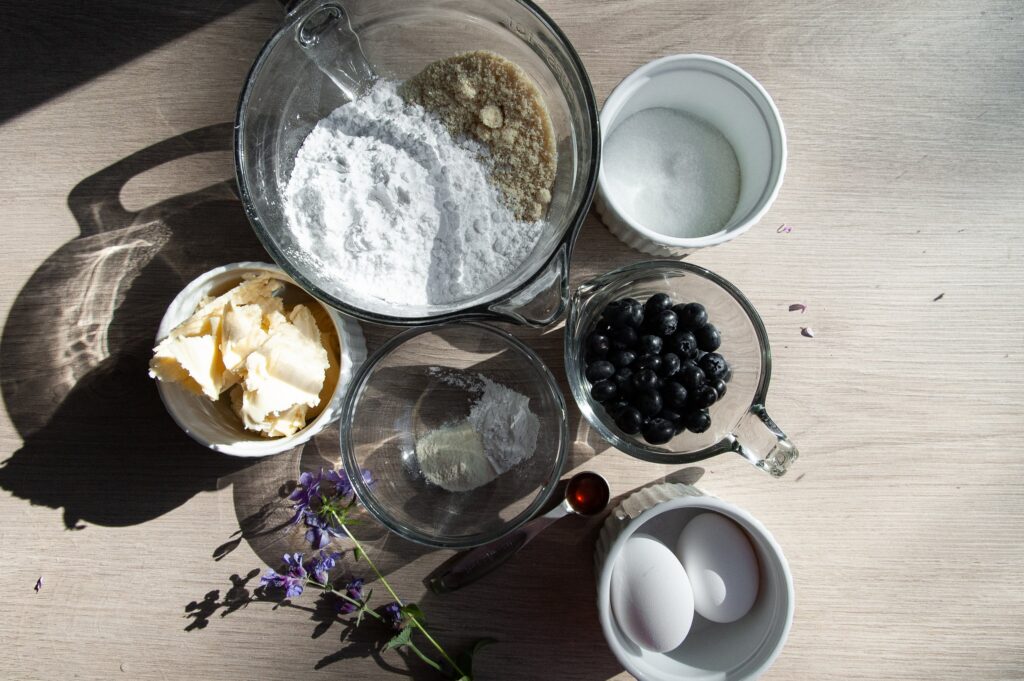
(386, 206)
(672, 173)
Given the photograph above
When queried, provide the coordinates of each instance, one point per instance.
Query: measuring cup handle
(544, 300)
(757, 439)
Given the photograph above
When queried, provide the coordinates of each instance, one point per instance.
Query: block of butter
(274, 364)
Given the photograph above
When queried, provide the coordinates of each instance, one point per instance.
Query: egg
(722, 567)
(651, 596)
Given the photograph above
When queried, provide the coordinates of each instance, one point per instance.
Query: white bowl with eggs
(685, 600)
(214, 424)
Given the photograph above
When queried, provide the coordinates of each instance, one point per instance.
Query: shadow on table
(51, 46)
(74, 352)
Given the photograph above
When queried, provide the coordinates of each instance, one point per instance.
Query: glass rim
(365, 494)
(574, 333)
(478, 310)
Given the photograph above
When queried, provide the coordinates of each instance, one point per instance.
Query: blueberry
(629, 420)
(713, 365)
(645, 379)
(615, 406)
(666, 323)
(610, 310)
(648, 401)
(691, 375)
(704, 396)
(657, 303)
(628, 313)
(603, 391)
(698, 421)
(650, 344)
(658, 431)
(602, 327)
(673, 417)
(670, 364)
(692, 316)
(708, 338)
(622, 358)
(599, 370)
(719, 387)
(652, 362)
(674, 395)
(623, 338)
(597, 345)
(624, 381)
(684, 344)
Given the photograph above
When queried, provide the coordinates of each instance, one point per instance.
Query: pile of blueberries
(654, 367)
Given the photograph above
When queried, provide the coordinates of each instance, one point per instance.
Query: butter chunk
(243, 332)
(286, 371)
(197, 357)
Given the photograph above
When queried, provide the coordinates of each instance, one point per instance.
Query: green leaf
(414, 611)
(357, 553)
(402, 638)
(465, 659)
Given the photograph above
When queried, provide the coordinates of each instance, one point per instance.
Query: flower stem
(412, 618)
(341, 594)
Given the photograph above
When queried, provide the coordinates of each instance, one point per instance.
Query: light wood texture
(902, 520)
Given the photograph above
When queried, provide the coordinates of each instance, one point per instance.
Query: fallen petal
(797, 306)
(807, 331)
(938, 297)
(39, 584)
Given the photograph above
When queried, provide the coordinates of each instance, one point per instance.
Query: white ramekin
(741, 650)
(725, 96)
(214, 426)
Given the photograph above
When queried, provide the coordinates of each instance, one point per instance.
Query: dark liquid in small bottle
(587, 493)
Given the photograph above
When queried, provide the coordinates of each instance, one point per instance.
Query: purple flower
(323, 564)
(392, 613)
(354, 590)
(305, 495)
(318, 498)
(292, 579)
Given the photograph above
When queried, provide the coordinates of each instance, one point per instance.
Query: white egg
(651, 596)
(721, 565)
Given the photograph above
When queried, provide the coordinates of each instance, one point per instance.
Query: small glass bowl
(401, 394)
(739, 422)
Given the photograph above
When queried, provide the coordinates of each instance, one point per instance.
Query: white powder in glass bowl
(385, 205)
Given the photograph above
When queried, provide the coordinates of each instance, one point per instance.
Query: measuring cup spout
(757, 439)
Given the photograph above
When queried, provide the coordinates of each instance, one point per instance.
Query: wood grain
(902, 520)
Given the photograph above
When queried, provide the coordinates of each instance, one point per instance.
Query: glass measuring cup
(326, 51)
(739, 422)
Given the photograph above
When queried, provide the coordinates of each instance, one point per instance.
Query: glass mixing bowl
(410, 387)
(325, 52)
(739, 422)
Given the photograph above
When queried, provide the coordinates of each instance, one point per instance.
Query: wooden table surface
(902, 520)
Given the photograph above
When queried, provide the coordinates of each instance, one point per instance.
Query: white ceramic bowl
(211, 424)
(743, 649)
(728, 98)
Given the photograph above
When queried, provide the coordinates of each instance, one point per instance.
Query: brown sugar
(486, 97)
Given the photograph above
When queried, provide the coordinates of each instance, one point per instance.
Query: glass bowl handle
(324, 31)
(757, 439)
(544, 300)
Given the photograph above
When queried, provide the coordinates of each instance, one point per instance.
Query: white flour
(500, 423)
(387, 206)
(504, 420)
